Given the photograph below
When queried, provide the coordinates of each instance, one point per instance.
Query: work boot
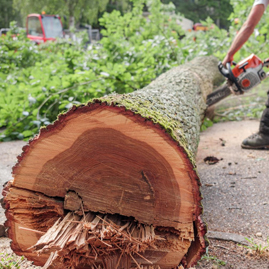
(260, 140)
(256, 141)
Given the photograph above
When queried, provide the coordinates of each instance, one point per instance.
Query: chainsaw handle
(266, 63)
(243, 66)
(227, 72)
(231, 75)
(224, 71)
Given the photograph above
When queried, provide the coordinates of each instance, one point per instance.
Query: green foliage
(206, 123)
(212, 42)
(247, 106)
(216, 261)
(121, 5)
(256, 44)
(9, 261)
(82, 11)
(16, 51)
(138, 49)
(257, 247)
(39, 82)
(198, 10)
(7, 13)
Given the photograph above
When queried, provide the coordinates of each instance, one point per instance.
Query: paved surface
(236, 189)
(8, 158)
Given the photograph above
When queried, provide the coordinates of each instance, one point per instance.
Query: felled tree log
(113, 184)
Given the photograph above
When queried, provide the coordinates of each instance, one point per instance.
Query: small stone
(259, 234)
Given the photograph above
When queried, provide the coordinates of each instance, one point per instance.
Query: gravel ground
(234, 189)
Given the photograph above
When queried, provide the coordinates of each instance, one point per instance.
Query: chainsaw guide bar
(221, 93)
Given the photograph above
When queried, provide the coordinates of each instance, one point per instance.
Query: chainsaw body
(244, 76)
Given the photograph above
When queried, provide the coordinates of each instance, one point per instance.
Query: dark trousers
(264, 124)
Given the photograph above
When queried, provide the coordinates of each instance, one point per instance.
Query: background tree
(258, 42)
(197, 10)
(88, 12)
(120, 5)
(76, 11)
(7, 13)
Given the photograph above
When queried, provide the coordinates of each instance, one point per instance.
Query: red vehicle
(199, 27)
(41, 27)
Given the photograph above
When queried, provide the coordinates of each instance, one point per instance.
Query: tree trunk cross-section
(113, 184)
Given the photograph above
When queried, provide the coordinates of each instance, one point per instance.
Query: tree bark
(113, 183)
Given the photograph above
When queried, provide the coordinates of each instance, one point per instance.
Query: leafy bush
(39, 82)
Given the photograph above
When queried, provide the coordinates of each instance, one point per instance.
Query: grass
(258, 248)
(9, 261)
(216, 261)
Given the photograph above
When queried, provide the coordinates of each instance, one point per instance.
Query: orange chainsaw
(244, 76)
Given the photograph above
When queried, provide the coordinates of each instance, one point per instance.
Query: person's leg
(264, 125)
(260, 140)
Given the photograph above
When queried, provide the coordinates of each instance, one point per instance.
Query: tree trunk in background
(71, 24)
(113, 183)
(71, 6)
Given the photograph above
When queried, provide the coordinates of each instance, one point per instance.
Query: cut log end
(112, 184)
(110, 161)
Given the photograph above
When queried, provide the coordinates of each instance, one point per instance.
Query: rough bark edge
(157, 121)
(196, 251)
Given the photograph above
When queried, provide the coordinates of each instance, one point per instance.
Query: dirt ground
(235, 191)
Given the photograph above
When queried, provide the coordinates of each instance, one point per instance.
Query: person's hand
(228, 59)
